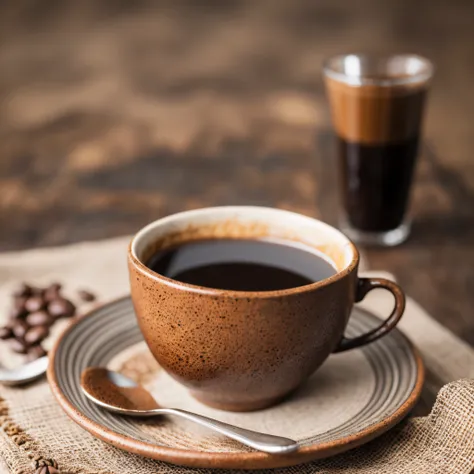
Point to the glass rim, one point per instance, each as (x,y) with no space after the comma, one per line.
(360,80)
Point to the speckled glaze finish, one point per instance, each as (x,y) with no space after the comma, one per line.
(245,351)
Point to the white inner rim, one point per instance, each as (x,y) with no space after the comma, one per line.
(279,223)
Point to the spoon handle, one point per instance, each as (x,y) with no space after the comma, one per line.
(261,441)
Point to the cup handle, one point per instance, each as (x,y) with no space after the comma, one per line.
(364,285)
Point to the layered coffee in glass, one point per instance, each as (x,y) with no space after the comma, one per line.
(377,105)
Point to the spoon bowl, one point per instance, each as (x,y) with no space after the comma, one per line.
(116,392)
(119,394)
(25,373)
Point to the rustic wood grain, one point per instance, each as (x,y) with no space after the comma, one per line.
(115,113)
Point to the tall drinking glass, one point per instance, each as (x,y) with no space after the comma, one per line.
(377,107)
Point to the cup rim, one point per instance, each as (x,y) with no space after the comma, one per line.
(175,284)
(359,80)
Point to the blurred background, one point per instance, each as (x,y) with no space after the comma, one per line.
(115,113)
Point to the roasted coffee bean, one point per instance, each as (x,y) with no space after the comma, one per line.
(39,318)
(36,291)
(86,295)
(18,309)
(35,352)
(39,461)
(17,312)
(61,308)
(23,290)
(20,301)
(55,287)
(34,303)
(52,292)
(36,334)
(47,470)
(18,345)
(19,328)
(6,332)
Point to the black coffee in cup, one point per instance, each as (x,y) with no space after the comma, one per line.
(242,264)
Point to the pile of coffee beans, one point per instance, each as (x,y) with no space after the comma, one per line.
(34,310)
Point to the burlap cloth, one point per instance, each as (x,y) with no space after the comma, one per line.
(35,427)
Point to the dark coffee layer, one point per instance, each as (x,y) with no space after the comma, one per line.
(376,183)
(241,265)
(375,115)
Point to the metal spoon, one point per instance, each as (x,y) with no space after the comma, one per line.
(117,393)
(25,373)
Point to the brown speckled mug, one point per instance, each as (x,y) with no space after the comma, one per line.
(240,350)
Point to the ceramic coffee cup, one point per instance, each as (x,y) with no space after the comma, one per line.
(238,350)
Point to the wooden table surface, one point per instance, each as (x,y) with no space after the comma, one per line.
(116,113)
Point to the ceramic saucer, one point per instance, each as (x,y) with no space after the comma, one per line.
(354,397)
